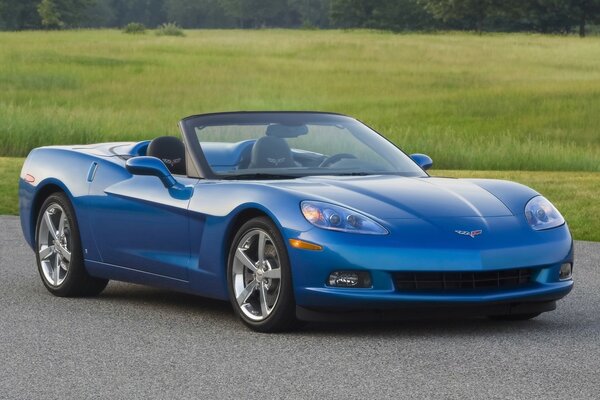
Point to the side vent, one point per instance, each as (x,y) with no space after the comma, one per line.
(92,171)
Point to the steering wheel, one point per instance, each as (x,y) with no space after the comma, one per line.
(335,158)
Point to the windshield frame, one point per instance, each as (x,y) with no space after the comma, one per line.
(197,164)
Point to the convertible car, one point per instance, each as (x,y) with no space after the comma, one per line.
(291,216)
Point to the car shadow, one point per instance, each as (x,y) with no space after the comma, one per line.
(191,305)
(438,327)
(177,302)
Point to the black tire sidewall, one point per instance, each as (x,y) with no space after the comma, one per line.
(283,317)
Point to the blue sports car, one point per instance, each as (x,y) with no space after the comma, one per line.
(291,216)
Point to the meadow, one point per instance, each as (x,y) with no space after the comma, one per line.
(491,102)
(522,107)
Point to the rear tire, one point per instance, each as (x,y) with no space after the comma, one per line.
(513,317)
(59,253)
(259,278)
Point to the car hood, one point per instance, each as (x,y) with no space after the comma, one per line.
(389,197)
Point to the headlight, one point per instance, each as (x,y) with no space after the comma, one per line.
(336,218)
(541,214)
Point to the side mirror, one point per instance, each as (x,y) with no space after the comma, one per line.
(423,160)
(145,165)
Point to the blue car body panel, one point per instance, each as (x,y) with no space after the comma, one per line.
(134,229)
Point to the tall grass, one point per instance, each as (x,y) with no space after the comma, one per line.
(491,102)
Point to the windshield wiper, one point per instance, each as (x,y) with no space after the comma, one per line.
(260,175)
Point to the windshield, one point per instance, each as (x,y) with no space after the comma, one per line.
(289,145)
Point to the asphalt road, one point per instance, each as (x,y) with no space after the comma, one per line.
(138,342)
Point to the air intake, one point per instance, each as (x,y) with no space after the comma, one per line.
(412,281)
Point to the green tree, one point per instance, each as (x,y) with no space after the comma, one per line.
(400,15)
(99,14)
(19,14)
(257,13)
(472,12)
(147,12)
(351,13)
(396,15)
(73,11)
(49,15)
(198,14)
(584,11)
(553,15)
(309,13)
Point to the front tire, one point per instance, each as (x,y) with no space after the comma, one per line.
(58,251)
(259,278)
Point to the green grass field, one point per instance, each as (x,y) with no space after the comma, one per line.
(574,193)
(500,102)
(523,104)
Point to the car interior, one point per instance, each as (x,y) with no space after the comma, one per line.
(269,151)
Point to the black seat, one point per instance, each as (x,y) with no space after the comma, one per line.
(271,152)
(169,150)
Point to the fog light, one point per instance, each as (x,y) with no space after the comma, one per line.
(566,271)
(355,279)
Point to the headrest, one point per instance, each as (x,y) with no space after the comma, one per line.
(271,152)
(169,150)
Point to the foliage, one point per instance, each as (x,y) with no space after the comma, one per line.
(472,12)
(546,16)
(134,28)
(398,15)
(19,14)
(49,15)
(309,13)
(169,29)
(586,11)
(257,13)
(198,14)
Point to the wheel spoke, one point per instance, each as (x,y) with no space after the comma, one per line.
(240,255)
(56,269)
(46,252)
(50,225)
(248,290)
(273,273)
(262,239)
(263,301)
(66,254)
(61,224)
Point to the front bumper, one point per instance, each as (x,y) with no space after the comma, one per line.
(342,298)
(541,252)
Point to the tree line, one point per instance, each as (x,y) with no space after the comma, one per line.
(546,16)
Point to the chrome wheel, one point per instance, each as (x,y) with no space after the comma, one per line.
(54,244)
(256,274)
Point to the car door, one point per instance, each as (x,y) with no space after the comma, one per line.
(139,224)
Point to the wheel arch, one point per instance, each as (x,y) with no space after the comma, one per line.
(44,190)
(240,218)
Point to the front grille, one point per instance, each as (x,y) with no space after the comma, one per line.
(462,280)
